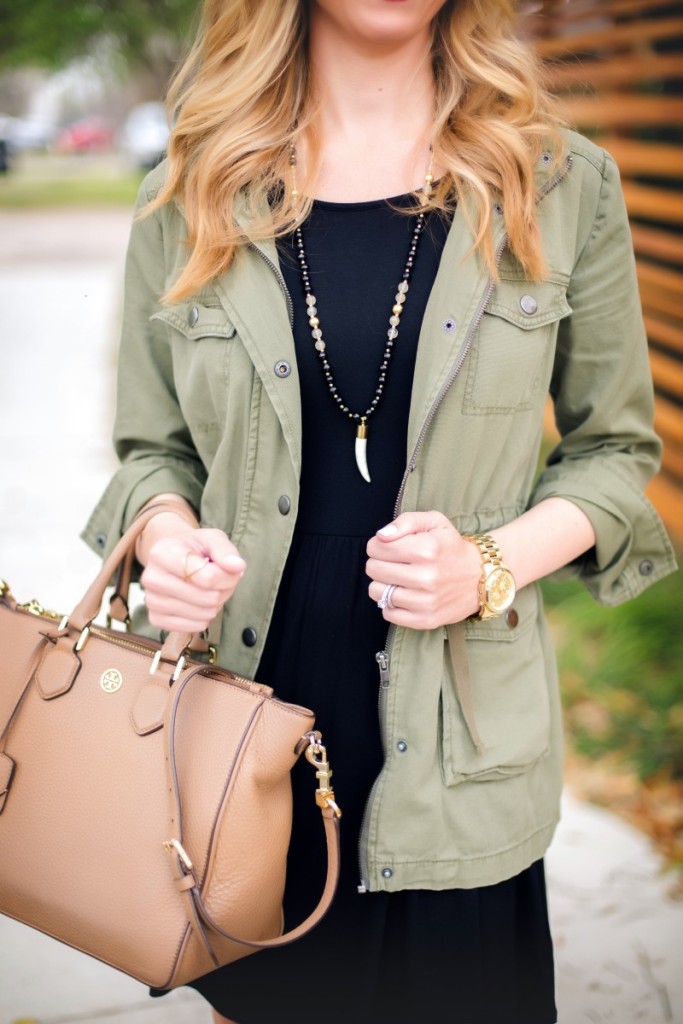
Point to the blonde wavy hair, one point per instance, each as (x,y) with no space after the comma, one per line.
(244,94)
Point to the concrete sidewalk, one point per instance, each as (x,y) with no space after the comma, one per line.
(618,935)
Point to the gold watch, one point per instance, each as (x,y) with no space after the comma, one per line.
(496,589)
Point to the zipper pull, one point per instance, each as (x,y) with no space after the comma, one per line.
(383,662)
(362,888)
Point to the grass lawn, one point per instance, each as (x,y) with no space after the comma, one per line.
(621,674)
(44,180)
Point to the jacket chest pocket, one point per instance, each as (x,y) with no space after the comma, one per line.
(510,361)
(201,342)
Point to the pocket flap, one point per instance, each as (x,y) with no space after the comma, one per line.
(519,618)
(529,304)
(194,320)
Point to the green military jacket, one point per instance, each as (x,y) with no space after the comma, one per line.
(209,407)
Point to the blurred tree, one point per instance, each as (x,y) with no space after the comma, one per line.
(145,33)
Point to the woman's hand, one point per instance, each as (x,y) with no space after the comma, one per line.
(189,573)
(434,570)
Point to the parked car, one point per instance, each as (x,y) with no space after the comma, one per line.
(5,143)
(31,133)
(145,135)
(90,135)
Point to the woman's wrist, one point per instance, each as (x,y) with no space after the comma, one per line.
(166,523)
(543,539)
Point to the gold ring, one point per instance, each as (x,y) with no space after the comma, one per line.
(190,572)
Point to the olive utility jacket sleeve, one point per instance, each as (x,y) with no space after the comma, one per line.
(208,407)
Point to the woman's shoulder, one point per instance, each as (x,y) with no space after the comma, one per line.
(587,152)
(592,174)
(153,182)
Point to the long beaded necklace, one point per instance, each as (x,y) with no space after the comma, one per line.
(360,419)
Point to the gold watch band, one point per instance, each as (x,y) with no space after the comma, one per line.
(491,563)
(488,549)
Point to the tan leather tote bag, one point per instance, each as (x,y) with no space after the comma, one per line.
(145,796)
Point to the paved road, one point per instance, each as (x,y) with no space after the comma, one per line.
(617,934)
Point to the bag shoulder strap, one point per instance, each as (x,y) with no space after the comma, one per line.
(186,879)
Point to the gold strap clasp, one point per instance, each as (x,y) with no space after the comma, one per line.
(316,754)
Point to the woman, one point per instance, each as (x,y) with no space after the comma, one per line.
(271,378)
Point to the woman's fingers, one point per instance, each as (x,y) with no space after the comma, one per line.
(189,577)
(416,576)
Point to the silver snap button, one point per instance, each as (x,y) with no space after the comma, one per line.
(646,567)
(402,746)
(546,158)
(498,208)
(193,317)
(101,540)
(282,368)
(449,326)
(528,304)
(284,504)
(387,873)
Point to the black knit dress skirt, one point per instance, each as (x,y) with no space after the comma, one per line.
(477,956)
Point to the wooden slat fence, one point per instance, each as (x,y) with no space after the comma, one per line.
(617,66)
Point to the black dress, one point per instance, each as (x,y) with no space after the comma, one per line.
(480,956)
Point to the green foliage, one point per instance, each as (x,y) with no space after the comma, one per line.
(621,674)
(49,34)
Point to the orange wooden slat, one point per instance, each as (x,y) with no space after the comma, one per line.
(663,332)
(577,11)
(656,159)
(611,37)
(668,420)
(662,279)
(655,242)
(624,111)
(667,373)
(672,461)
(653,203)
(660,303)
(607,71)
(667,498)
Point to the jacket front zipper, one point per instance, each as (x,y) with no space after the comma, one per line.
(280,280)
(384,657)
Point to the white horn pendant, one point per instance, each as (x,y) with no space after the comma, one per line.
(362,450)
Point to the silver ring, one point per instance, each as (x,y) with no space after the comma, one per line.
(385,600)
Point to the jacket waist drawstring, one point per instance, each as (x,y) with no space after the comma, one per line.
(457,646)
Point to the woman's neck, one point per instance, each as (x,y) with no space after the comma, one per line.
(376,114)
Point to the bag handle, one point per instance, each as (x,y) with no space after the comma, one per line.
(330,812)
(91,602)
(119,601)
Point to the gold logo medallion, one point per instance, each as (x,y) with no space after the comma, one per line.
(111,680)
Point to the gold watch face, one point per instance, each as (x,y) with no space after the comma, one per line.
(500,590)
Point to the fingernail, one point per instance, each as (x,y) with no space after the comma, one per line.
(234,562)
(388,531)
